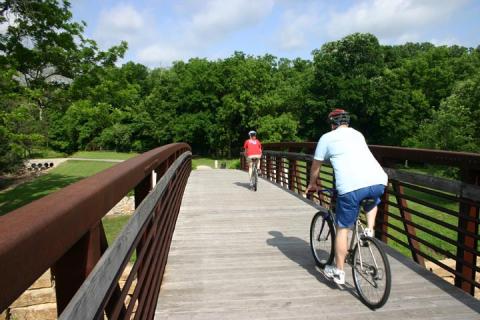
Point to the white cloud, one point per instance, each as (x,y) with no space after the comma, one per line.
(449,41)
(394,19)
(296,28)
(202,27)
(163,54)
(122,22)
(218,18)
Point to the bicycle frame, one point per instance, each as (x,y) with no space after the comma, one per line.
(356,231)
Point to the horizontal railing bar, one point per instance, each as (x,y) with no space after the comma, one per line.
(289,155)
(434,247)
(439,157)
(405,245)
(89,298)
(433,233)
(435,220)
(452,186)
(433,206)
(425,203)
(440,194)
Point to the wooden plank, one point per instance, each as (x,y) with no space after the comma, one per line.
(238,254)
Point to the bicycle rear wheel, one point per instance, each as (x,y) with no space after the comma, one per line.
(322,239)
(254,179)
(371,273)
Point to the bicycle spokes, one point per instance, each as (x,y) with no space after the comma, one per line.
(371,273)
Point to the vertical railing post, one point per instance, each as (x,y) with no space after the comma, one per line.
(269,166)
(142,189)
(279,169)
(471,226)
(381,220)
(407,217)
(308,168)
(292,167)
(141,192)
(71,270)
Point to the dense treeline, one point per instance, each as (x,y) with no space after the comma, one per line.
(58,90)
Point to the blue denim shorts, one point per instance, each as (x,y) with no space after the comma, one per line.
(348,204)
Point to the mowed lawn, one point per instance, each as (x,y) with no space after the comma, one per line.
(59,177)
(103,155)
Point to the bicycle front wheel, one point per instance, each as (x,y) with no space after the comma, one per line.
(371,273)
(322,239)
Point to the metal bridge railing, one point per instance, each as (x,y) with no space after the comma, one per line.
(64,232)
(435,219)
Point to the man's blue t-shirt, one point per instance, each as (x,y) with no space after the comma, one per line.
(354,165)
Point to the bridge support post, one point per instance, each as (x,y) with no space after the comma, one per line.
(292,167)
(381,220)
(467,222)
(279,170)
(268,158)
(407,217)
(71,270)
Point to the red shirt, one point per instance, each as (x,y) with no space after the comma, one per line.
(252,147)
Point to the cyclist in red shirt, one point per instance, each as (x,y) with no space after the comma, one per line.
(253,149)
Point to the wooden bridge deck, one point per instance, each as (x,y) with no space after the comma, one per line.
(238,254)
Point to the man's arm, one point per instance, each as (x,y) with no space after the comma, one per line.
(314,171)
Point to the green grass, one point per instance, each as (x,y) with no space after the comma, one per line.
(60,177)
(103,155)
(113,225)
(230,163)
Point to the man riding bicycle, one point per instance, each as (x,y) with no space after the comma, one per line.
(253,149)
(358,176)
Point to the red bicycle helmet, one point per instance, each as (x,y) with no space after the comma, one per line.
(339,117)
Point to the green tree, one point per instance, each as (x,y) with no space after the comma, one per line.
(275,129)
(450,128)
(345,72)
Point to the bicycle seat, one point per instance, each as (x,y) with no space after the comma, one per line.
(367,201)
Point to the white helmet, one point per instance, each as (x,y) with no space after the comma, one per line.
(252,133)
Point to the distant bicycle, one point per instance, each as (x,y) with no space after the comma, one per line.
(254,177)
(370,266)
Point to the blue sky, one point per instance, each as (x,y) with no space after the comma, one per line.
(162,31)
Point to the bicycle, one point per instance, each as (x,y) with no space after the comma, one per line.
(254,177)
(370,266)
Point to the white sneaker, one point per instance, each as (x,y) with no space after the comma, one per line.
(334,273)
(368,232)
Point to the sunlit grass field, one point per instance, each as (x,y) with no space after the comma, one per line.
(59,177)
(103,155)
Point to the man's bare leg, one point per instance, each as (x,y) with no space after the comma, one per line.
(341,243)
(371,218)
